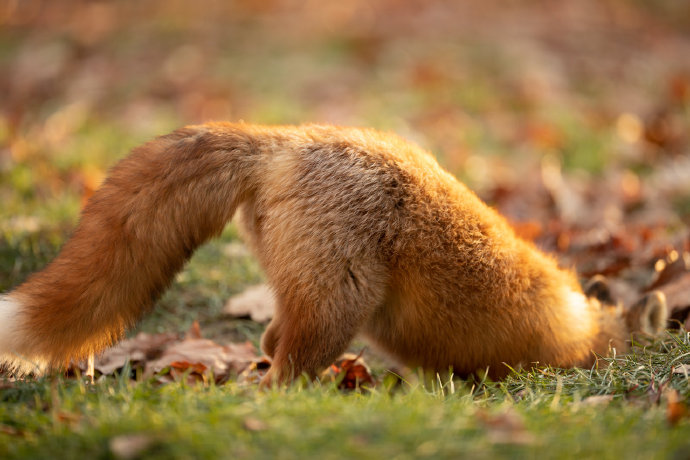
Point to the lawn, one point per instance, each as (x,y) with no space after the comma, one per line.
(624,411)
(572,121)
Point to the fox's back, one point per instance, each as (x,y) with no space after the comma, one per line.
(451,263)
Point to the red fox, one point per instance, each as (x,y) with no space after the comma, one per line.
(358,231)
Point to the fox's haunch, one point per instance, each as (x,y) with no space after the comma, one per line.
(136,232)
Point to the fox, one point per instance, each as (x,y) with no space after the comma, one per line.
(357,231)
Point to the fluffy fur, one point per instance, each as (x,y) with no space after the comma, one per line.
(357,231)
(8,324)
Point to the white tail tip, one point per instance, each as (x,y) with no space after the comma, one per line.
(12,355)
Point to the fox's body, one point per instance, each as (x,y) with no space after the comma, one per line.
(357,231)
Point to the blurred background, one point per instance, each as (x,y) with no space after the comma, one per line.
(571,117)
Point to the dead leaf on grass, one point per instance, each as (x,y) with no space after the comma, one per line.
(194,331)
(220,360)
(255,371)
(136,350)
(677,294)
(194,357)
(597,400)
(676,409)
(130,445)
(253,424)
(683,369)
(507,427)
(10,430)
(350,371)
(256,302)
(527,230)
(68,417)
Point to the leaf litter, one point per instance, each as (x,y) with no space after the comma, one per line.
(194,359)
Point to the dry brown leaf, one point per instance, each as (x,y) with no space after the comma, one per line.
(543,135)
(187,366)
(676,409)
(194,331)
(598,400)
(255,371)
(507,427)
(528,230)
(677,294)
(350,371)
(91,178)
(218,359)
(136,350)
(665,129)
(130,445)
(10,430)
(193,358)
(67,417)
(683,369)
(253,424)
(256,302)
(673,267)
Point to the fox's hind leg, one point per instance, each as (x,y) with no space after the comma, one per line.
(326,287)
(318,315)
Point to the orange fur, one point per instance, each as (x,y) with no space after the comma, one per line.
(357,231)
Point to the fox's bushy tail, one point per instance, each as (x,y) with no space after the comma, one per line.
(136,232)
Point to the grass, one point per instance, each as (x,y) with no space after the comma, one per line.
(535,414)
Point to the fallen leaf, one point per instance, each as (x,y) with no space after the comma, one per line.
(253,424)
(507,427)
(130,445)
(597,400)
(676,409)
(10,430)
(192,372)
(255,371)
(68,417)
(677,294)
(194,331)
(683,369)
(671,268)
(217,359)
(350,371)
(679,88)
(529,230)
(92,178)
(256,302)
(664,129)
(543,135)
(137,351)
(187,366)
